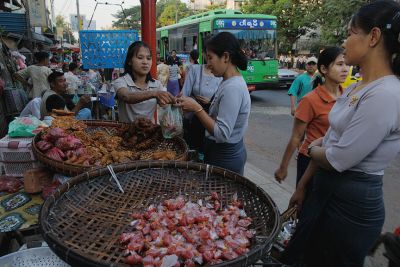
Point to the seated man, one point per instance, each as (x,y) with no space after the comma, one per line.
(58,86)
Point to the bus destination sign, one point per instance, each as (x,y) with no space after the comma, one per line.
(244,24)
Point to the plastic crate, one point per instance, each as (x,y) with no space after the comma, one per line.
(16,155)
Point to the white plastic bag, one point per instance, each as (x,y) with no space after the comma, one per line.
(170,119)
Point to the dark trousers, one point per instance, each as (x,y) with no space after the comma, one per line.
(302,164)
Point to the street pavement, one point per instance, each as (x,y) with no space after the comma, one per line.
(269,130)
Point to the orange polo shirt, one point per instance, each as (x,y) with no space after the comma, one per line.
(314,109)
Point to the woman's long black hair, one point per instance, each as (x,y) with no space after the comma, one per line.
(194,56)
(384,14)
(132,52)
(227,42)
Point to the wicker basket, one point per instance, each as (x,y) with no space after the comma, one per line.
(84,219)
(177,144)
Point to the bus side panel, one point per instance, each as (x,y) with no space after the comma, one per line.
(204,32)
(261,74)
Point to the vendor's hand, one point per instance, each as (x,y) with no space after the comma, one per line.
(297,198)
(317,142)
(280,174)
(85,99)
(188,104)
(164,98)
(202,99)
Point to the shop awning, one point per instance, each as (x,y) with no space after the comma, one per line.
(41,38)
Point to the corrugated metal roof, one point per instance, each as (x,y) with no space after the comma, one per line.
(13,22)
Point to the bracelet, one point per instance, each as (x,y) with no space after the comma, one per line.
(198,111)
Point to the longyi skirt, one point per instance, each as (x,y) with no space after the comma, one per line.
(226,155)
(340,220)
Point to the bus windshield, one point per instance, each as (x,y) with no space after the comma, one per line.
(257,44)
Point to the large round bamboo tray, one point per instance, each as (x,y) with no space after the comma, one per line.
(83,220)
(176,144)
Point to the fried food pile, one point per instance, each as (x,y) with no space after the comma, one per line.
(106,148)
(71,141)
(141,134)
(68,123)
(183,233)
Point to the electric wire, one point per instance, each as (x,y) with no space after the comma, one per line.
(66,3)
(111,4)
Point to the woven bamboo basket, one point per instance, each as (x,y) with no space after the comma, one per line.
(176,144)
(83,220)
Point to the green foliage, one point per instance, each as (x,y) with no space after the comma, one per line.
(132,20)
(60,21)
(212,7)
(333,16)
(294,18)
(172,11)
(298,17)
(67,32)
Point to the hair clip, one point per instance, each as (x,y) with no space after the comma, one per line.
(396,16)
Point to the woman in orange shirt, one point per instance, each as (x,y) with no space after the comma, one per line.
(311,117)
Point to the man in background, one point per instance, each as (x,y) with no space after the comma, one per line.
(37,73)
(58,85)
(302,84)
(73,81)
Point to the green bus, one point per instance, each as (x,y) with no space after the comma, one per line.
(255,32)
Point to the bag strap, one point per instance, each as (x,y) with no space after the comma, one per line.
(201,78)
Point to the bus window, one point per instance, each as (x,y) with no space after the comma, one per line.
(195,42)
(257,44)
(184,45)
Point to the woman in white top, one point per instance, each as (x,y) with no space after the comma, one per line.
(137,92)
(344,214)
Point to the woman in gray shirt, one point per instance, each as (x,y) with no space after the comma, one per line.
(228,117)
(344,214)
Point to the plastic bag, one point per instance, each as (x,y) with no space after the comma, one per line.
(75,99)
(170,119)
(24,126)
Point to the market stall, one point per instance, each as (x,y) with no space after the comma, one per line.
(123,170)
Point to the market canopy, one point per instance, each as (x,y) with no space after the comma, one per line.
(66,46)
